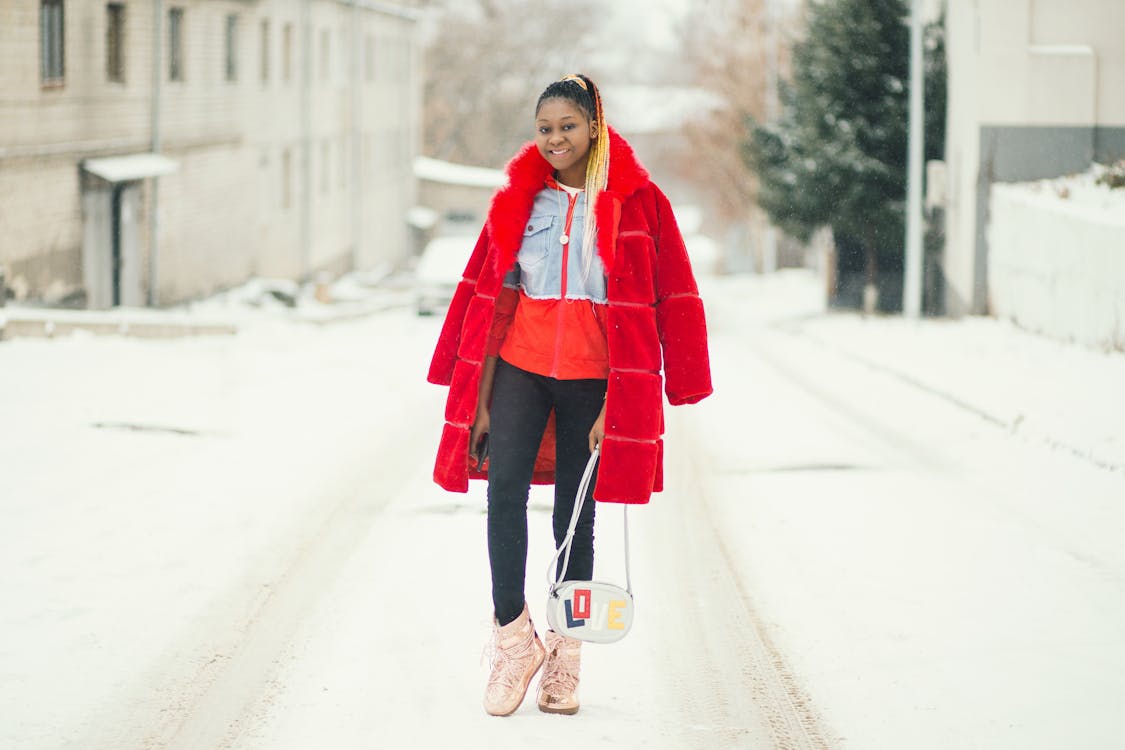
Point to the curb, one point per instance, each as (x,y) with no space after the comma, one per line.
(49,324)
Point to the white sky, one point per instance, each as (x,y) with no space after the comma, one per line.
(656,20)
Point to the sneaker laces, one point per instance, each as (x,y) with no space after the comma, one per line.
(508,664)
(561,676)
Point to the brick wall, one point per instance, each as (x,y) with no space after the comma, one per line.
(229,212)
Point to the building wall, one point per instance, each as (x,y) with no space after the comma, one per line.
(1058,265)
(300,165)
(1033,93)
(40,225)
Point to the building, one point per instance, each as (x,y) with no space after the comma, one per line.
(1034,92)
(457,195)
(152,151)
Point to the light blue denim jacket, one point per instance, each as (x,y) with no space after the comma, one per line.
(538,269)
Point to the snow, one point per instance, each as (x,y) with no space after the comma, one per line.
(1056,260)
(131,167)
(1078,194)
(1066,50)
(877,533)
(449,173)
(941,572)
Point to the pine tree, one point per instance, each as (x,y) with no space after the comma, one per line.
(838,154)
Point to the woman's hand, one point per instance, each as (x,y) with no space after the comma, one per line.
(480,426)
(597,432)
(482,423)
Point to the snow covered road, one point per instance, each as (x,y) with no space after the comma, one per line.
(234,543)
(935,578)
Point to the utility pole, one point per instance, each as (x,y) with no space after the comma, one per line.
(912,271)
(773,111)
(154,206)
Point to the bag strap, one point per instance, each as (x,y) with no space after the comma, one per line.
(554,576)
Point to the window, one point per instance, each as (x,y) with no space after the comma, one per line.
(324,41)
(176,44)
(287,52)
(370,58)
(342,171)
(51,58)
(286,179)
(115,42)
(232,48)
(265,51)
(346,61)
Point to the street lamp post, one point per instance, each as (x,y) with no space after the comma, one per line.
(912,273)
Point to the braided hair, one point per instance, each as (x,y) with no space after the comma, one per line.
(582,92)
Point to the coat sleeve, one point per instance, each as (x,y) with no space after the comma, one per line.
(679,314)
(506,305)
(449,340)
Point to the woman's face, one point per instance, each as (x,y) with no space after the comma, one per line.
(563,135)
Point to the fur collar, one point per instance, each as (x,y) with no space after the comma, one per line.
(527,174)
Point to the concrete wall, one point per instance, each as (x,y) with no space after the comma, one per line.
(1033,92)
(1058,266)
(344,120)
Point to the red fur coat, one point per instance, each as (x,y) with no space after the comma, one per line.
(655,320)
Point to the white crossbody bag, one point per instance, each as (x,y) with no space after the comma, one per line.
(591,611)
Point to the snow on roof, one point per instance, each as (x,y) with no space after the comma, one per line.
(436,170)
(636,109)
(131,167)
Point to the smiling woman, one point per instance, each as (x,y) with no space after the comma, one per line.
(577,293)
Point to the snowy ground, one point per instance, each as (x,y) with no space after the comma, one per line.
(877,534)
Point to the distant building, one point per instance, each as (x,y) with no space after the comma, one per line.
(1035,91)
(284,133)
(456,195)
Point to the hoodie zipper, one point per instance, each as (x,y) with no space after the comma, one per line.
(572,200)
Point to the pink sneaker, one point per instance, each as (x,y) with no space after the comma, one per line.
(517,654)
(558,687)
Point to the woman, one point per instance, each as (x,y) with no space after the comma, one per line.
(553,345)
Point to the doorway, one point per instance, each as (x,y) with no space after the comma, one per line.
(111,253)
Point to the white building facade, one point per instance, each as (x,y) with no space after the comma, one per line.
(1035,91)
(285,131)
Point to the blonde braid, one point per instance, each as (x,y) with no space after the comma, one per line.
(597,172)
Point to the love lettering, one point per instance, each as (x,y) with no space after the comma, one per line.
(582,611)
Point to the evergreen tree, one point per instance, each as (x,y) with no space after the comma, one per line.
(838,154)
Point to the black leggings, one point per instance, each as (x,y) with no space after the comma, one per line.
(521,403)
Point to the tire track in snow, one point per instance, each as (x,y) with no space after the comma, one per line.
(213,709)
(797,332)
(749,675)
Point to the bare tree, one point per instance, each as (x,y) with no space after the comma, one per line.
(726,48)
(736,51)
(486,62)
